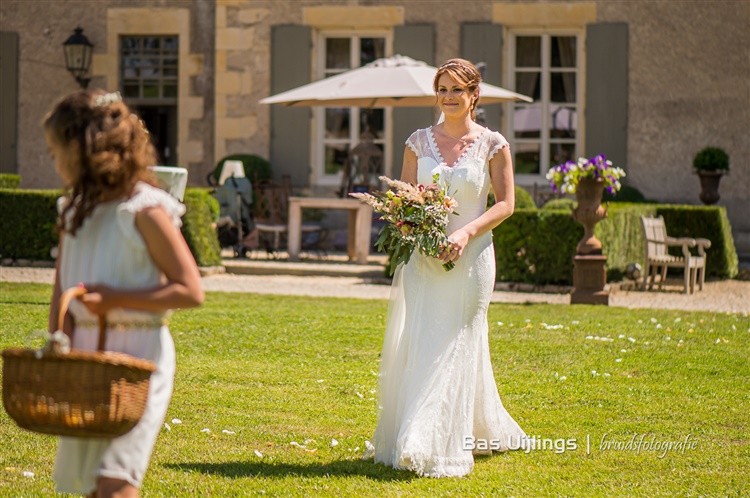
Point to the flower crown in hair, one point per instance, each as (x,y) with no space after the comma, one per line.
(448,65)
(107,99)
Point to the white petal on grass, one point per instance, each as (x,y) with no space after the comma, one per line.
(206,430)
(623,350)
(654,320)
(606,374)
(589,337)
(621,336)
(28,473)
(176,421)
(258,454)
(320,380)
(618,360)
(334,443)
(631,340)
(575,322)
(718,341)
(562,377)
(369,446)
(500,323)
(677,320)
(226,431)
(167,427)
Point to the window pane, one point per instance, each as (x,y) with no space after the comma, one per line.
(371,49)
(335,157)
(559,153)
(528,51)
(151,45)
(170,90)
(526,159)
(529,84)
(563,87)
(337,53)
(527,121)
(169,44)
(337,122)
(151,89)
(562,122)
(372,120)
(563,51)
(130,90)
(150,68)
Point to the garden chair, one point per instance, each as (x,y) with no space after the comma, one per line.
(271,212)
(658,259)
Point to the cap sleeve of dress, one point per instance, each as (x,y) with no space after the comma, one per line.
(497,142)
(146,196)
(414,142)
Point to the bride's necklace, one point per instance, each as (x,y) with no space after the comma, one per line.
(462,140)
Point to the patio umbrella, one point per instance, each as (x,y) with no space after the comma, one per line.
(397,81)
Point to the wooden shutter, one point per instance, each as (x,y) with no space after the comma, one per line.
(418,42)
(290,126)
(607,91)
(483,42)
(8,102)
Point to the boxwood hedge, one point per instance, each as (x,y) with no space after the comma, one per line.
(28,224)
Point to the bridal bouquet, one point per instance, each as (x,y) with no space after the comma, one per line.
(417,217)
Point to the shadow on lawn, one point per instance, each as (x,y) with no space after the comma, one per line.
(282,470)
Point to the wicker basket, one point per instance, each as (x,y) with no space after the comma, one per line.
(80,393)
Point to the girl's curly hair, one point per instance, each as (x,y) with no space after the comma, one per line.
(114,151)
(465,73)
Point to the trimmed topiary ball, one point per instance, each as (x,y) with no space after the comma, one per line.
(711,159)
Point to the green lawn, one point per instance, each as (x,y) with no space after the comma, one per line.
(287,375)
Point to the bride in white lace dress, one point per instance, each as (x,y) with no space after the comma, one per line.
(438,401)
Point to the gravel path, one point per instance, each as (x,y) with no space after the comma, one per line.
(720,296)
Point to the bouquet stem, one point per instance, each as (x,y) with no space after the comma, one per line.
(449,265)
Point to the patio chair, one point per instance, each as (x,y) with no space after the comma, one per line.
(271,211)
(658,259)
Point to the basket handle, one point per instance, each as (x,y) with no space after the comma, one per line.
(65,298)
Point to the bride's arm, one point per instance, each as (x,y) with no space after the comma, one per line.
(409,167)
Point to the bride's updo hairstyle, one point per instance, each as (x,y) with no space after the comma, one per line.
(466,74)
(114,151)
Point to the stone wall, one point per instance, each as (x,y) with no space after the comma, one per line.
(43,79)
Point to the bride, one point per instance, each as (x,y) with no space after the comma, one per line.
(438,402)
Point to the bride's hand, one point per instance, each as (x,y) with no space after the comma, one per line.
(456,244)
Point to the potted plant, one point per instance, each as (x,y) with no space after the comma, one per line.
(710,164)
(587,179)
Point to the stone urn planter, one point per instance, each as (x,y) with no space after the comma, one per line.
(588,213)
(709,186)
(710,164)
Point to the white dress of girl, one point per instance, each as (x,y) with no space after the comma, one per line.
(437,394)
(108,249)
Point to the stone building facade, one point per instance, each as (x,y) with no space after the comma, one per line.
(647,83)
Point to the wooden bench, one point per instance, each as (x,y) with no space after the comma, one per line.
(658,259)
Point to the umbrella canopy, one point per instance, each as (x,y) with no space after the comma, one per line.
(396,81)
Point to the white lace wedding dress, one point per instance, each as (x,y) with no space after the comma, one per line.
(436,389)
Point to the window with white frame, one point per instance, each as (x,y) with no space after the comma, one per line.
(340,129)
(546,67)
